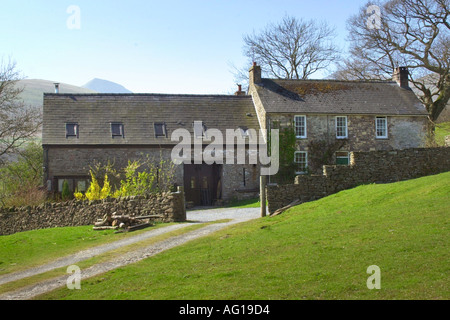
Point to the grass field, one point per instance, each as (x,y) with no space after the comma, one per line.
(317,250)
(442,130)
(28,249)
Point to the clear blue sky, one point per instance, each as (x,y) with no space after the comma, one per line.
(148,46)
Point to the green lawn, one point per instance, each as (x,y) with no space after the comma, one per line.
(442,130)
(318,250)
(248,203)
(28,249)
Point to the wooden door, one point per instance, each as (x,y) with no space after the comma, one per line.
(201,183)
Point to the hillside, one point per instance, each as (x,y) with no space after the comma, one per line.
(105,86)
(442,130)
(34,90)
(317,250)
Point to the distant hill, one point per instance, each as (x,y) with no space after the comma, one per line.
(34,90)
(105,86)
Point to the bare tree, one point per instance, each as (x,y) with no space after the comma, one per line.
(410,33)
(291,49)
(18,122)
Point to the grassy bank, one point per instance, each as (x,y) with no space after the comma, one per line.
(28,249)
(318,250)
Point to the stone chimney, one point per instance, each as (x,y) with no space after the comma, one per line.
(255,74)
(240,92)
(400,76)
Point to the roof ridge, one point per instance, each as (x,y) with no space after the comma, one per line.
(333,80)
(148,94)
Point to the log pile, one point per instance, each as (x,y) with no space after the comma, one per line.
(124,222)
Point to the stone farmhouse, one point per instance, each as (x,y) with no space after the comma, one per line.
(346,115)
(80,129)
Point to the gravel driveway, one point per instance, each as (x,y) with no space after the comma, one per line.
(193,217)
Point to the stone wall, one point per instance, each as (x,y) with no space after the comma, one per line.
(79,213)
(364,168)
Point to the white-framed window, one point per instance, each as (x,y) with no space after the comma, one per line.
(341,127)
(300,127)
(301,161)
(381,129)
(342,158)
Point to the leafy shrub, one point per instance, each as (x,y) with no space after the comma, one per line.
(147,176)
(78,195)
(65,194)
(21,178)
(137,178)
(95,192)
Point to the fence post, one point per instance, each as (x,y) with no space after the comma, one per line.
(262,194)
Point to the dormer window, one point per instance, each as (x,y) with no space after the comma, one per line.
(160,129)
(72,130)
(244,132)
(117,130)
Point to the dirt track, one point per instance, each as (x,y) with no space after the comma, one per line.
(195,216)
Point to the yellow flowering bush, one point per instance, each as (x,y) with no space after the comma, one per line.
(94,192)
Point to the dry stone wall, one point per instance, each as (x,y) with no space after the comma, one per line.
(364,168)
(79,213)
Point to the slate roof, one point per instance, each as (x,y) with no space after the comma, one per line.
(94,114)
(338,97)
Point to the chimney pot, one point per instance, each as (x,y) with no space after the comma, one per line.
(56,87)
(239,92)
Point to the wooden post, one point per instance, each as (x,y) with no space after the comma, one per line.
(262,194)
(180,189)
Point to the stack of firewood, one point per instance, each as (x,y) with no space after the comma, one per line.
(123,222)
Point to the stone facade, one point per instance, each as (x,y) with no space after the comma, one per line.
(403,132)
(79,213)
(364,168)
(238,181)
(401,117)
(66,162)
